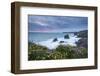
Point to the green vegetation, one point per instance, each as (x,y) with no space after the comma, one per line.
(38,52)
(34,47)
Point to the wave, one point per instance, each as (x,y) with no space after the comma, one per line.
(60,41)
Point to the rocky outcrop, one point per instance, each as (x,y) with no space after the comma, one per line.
(55,39)
(82,34)
(61,42)
(66,36)
(83,42)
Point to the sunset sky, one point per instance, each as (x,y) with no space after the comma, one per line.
(41,23)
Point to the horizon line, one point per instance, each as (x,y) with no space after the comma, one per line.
(55,31)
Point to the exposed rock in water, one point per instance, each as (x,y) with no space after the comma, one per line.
(55,39)
(66,36)
(61,42)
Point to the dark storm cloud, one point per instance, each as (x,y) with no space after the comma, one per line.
(57,23)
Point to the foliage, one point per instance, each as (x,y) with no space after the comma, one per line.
(38,52)
(35,47)
(80,52)
(66,51)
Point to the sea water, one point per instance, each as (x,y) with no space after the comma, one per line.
(46,39)
(44,36)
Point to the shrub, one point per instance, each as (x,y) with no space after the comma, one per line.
(55,55)
(37,55)
(84,53)
(38,52)
(66,51)
(80,52)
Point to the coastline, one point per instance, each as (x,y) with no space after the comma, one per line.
(52,45)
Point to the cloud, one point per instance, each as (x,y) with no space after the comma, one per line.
(56,23)
(41,23)
(37,20)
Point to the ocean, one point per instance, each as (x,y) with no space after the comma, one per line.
(43,36)
(46,39)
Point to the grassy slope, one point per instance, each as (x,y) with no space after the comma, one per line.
(61,52)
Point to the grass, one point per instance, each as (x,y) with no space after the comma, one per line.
(38,52)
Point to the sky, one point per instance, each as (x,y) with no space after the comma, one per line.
(40,23)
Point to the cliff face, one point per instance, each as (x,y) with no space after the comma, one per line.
(83,42)
(82,34)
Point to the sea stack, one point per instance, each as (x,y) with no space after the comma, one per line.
(55,39)
(66,36)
